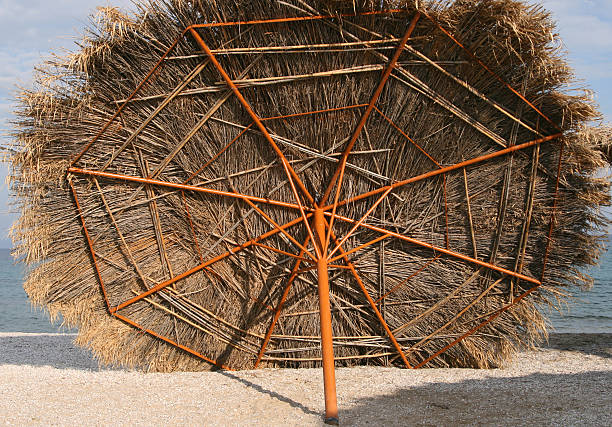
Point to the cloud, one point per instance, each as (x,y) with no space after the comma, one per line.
(15,71)
(31,29)
(40,24)
(16,67)
(584,25)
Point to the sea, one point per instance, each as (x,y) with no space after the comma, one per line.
(589,312)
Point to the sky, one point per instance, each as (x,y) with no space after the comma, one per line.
(31,29)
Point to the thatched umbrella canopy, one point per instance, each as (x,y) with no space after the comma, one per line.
(143,182)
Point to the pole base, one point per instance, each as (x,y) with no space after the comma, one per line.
(333,421)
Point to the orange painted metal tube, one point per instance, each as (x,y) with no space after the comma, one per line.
(339,172)
(178,186)
(279,307)
(90,244)
(327,347)
(169,341)
(289,170)
(308,228)
(370,108)
(123,318)
(292,176)
(397,128)
(212,25)
(120,109)
(358,248)
(476,328)
(329,266)
(403,282)
(276,226)
(497,77)
(296,19)
(216,156)
(197,268)
(359,222)
(377,312)
(280,251)
(448,169)
(442,250)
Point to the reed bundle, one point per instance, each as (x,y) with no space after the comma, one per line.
(532,212)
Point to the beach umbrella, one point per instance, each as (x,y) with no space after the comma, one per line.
(308,183)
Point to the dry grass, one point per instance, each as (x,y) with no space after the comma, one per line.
(437,95)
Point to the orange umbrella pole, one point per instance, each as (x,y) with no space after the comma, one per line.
(327,347)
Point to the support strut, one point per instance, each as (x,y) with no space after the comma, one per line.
(327,348)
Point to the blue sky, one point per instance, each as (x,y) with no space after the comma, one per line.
(31,29)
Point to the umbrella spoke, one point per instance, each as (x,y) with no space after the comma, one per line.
(281,252)
(365,292)
(497,77)
(393,231)
(397,128)
(359,222)
(204,265)
(157,182)
(194,73)
(492,317)
(442,250)
(447,169)
(288,169)
(278,227)
(120,109)
(90,245)
(219,153)
(169,341)
(339,173)
(279,307)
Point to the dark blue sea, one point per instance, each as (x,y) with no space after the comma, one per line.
(591,312)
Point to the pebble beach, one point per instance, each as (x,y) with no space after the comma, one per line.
(46,380)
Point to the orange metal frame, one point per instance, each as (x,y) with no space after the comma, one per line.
(312,213)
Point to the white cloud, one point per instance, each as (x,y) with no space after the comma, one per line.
(41,24)
(16,67)
(584,25)
(600,68)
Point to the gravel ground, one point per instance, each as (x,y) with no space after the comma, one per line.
(45,380)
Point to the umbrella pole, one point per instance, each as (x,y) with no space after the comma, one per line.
(327,348)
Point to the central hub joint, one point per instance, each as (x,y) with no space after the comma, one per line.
(319,231)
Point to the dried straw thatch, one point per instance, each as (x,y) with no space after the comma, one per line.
(499,211)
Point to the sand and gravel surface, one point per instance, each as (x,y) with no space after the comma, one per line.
(45,380)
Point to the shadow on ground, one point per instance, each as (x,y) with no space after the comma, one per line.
(594,344)
(272,394)
(539,399)
(56,350)
(536,399)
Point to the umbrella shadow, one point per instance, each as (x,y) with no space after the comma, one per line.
(592,344)
(59,351)
(55,350)
(270,393)
(536,399)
